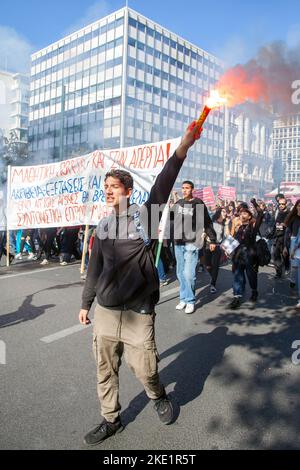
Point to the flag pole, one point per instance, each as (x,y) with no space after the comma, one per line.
(84,249)
(7,247)
(7,229)
(161,230)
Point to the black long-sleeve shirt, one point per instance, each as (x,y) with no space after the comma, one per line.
(291,231)
(246,236)
(121,271)
(190,223)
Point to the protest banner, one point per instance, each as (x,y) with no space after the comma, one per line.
(206,194)
(227,193)
(71,192)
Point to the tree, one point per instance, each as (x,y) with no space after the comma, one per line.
(11,151)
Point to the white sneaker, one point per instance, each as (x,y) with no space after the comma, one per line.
(44,262)
(190,308)
(19,256)
(31,256)
(181,305)
(63,263)
(298,304)
(213,290)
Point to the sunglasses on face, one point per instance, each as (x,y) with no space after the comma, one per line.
(283,205)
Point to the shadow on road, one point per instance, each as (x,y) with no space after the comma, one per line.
(197,356)
(266,406)
(27,311)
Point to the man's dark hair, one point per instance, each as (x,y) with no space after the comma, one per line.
(122,175)
(189,182)
(279,196)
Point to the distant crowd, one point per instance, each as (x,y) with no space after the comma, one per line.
(278,223)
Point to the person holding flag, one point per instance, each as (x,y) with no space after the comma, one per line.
(190,228)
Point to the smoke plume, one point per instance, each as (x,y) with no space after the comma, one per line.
(14,51)
(268,78)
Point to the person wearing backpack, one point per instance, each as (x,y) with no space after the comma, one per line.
(245,259)
(281,258)
(123,278)
(212,258)
(291,245)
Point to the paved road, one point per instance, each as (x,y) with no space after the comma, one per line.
(230,374)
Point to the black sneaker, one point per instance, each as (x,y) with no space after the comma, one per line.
(235,303)
(292,284)
(254,296)
(164,409)
(102,432)
(253,299)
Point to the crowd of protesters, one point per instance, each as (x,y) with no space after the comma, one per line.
(278,223)
(43,245)
(121,272)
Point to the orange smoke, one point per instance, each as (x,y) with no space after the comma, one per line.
(239,86)
(267,78)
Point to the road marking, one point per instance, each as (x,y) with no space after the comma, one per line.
(76,328)
(42,270)
(63,333)
(176,289)
(169,292)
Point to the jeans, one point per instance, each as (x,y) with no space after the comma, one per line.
(239,279)
(161,271)
(295,267)
(212,261)
(281,262)
(186,262)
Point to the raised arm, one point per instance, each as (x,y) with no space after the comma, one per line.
(164,182)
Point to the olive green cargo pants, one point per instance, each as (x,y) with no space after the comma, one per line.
(115,332)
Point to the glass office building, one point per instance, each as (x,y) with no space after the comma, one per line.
(124,80)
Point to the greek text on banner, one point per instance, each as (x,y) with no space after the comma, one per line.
(71,192)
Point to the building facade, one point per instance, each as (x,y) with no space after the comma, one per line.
(248,151)
(121,81)
(14,110)
(6,84)
(286,143)
(14,105)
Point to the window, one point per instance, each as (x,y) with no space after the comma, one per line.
(132,22)
(141,27)
(132,42)
(150,31)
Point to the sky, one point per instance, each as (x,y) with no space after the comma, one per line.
(233,30)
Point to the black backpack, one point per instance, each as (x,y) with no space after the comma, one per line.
(263,252)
